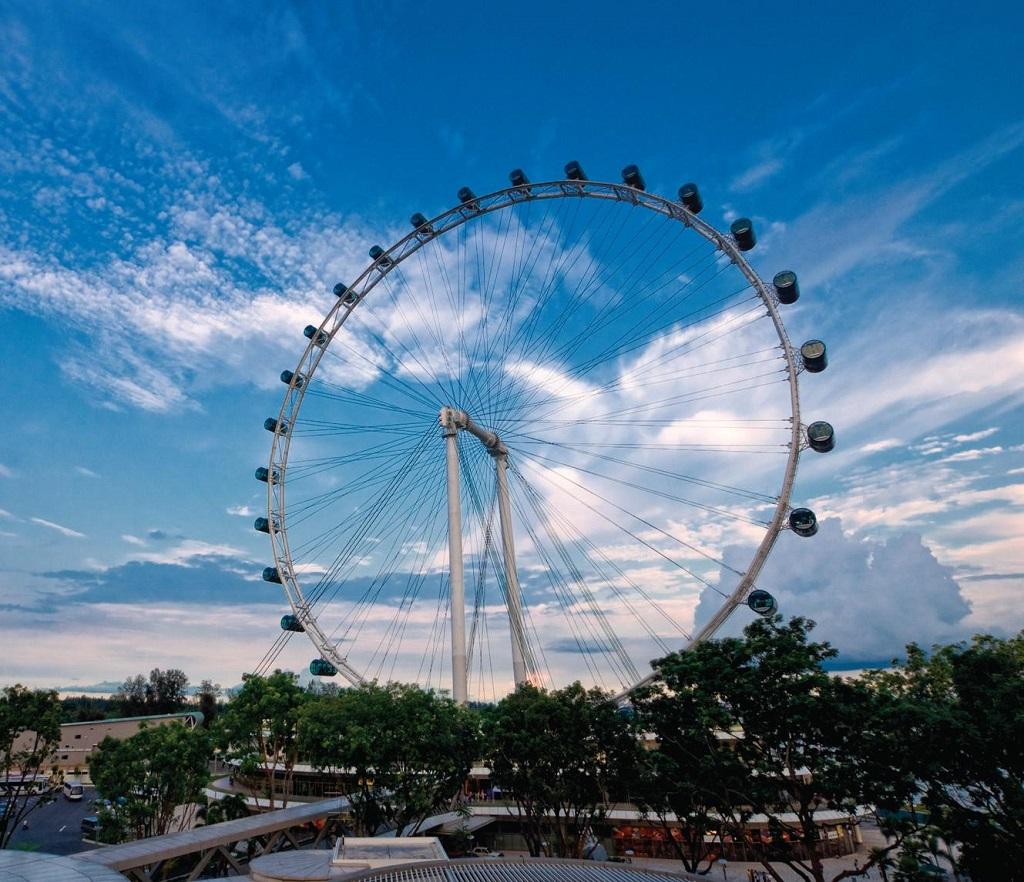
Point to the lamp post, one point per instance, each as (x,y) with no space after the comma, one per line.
(723,863)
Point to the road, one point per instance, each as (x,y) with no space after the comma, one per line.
(55,828)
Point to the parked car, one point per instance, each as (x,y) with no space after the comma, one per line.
(74,790)
(482,851)
(90,828)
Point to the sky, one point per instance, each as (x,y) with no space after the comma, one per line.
(181,186)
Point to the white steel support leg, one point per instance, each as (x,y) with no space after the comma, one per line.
(456,575)
(508,548)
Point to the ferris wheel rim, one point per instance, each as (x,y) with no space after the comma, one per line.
(389,259)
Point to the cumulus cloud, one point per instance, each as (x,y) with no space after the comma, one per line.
(869,597)
(242,511)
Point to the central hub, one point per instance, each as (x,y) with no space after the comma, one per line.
(452,419)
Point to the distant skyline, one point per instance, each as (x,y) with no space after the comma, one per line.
(180,187)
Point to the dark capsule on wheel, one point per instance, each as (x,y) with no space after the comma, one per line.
(762,602)
(378,255)
(287,377)
(320,668)
(317,336)
(574,171)
(279,427)
(261,525)
(291,623)
(786,287)
(631,177)
(689,195)
(742,230)
(518,178)
(821,436)
(263,474)
(803,522)
(814,356)
(418,221)
(270,574)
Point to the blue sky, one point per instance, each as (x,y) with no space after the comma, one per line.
(180,187)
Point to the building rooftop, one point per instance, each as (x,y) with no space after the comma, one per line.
(33,866)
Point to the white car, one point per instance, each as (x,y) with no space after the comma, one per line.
(74,790)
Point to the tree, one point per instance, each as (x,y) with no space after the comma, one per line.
(693,784)
(565,757)
(163,693)
(258,731)
(133,696)
(401,752)
(148,779)
(804,740)
(207,697)
(963,741)
(29,737)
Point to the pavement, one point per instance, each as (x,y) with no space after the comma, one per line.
(56,828)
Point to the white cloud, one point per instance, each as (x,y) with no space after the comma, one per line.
(878,446)
(869,597)
(64,531)
(297,171)
(242,511)
(186,552)
(5,472)
(132,540)
(974,436)
(86,473)
(756,174)
(972,454)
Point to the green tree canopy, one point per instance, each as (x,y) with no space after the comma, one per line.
(802,739)
(29,737)
(403,752)
(961,735)
(162,693)
(564,756)
(258,731)
(149,778)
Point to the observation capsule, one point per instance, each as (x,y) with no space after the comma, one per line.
(821,436)
(261,525)
(345,293)
(803,522)
(518,178)
(291,623)
(689,195)
(378,255)
(270,574)
(279,427)
(814,356)
(574,171)
(786,287)
(419,222)
(320,668)
(288,376)
(743,232)
(467,197)
(318,337)
(762,602)
(631,177)
(263,474)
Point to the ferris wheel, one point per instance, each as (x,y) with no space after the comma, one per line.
(530,435)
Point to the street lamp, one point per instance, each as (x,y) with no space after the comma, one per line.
(723,863)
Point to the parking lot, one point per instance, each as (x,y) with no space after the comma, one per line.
(55,828)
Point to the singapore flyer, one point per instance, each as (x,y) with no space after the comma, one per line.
(518,446)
